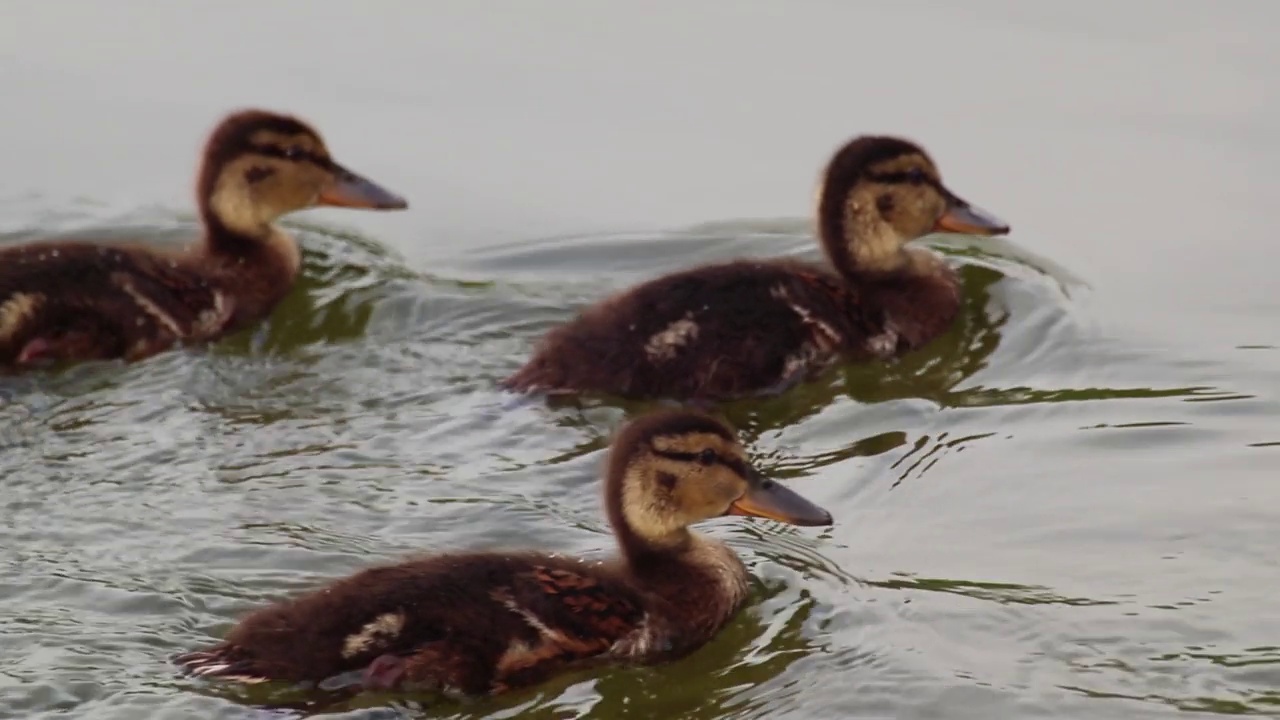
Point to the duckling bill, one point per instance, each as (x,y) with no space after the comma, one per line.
(748,327)
(484,623)
(69,301)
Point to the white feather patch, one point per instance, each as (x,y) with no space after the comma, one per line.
(663,344)
(16,310)
(148,306)
(379,630)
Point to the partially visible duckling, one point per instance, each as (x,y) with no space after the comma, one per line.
(64,300)
(485,622)
(749,326)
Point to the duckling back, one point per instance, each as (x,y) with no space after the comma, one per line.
(713,332)
(467,623)
(63,301)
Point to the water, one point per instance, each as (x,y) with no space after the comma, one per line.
(1065,508)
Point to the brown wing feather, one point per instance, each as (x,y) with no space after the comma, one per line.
(477,623)
(588,607)
(65,301)
(714,332)
(577,617)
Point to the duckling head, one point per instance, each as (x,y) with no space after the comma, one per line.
(671,469)
(880,193)
(260,165)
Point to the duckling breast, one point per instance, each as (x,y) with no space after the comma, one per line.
(913,310)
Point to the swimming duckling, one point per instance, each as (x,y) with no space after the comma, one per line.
(65,300)
(750,326)
(485,622)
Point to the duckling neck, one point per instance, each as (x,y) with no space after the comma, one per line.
(644,551)
(690,591)
(873,250)
(860,242)
(236,234)
(689,565)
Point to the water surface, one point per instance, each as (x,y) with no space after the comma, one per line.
(1064,508)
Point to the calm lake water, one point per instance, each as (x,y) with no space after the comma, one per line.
(1066,508)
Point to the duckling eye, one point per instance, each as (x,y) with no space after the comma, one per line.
(707,457)
(293,152)
(916,175)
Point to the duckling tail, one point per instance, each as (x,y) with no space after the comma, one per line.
(224,662)
(533,377)
(34,351)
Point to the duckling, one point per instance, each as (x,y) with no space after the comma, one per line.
(485,622)
(65,300)
(747,327)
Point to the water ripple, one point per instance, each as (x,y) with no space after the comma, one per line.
(1034,517)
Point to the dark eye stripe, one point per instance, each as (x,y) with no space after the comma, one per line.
(733,464)
(904,178)
(278,152)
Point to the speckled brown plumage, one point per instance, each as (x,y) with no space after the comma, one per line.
(66,300)
(745,327)
(478,623)
(80,302)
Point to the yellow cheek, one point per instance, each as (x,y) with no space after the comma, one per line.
(726,488)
